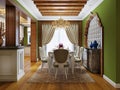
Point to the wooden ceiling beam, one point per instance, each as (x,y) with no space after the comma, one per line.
(60,5)
(60,14)
(59,8)
(52,4)
(61,1)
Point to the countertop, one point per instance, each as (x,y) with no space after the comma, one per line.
(11,48)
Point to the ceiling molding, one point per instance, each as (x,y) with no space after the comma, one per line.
(31,7)
(89,7)
(23,9)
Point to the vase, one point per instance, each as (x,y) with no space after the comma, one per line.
(95,44)
(91,45)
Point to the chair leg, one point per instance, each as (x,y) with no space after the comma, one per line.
(73,69)
(81,68)
(48,70)
(78,65)
(48,67)
(56,70)
(41,66)
(66,72)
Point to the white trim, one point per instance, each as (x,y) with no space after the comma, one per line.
(31,7)
(116,85)
(89,7)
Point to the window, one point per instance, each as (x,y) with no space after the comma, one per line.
(29,35)
(59,36)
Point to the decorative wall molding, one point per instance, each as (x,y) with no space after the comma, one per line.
(116,85)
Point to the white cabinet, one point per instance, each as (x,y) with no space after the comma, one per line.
(11,64)
(20,63)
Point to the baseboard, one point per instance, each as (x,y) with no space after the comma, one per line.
(116,85)
(20,75)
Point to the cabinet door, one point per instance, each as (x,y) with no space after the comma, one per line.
(94,60)
(90,61)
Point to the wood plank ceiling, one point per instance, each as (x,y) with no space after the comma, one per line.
(60,7)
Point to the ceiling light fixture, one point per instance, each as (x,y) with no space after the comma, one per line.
(60,23)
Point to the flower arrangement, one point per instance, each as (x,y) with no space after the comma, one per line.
(60,45)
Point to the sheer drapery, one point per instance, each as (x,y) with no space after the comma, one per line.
(47,33)
(72,33)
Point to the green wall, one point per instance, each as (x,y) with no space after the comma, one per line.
(118,41)
(107,13)
(25,36)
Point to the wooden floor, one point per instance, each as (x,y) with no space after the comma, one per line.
(30,68)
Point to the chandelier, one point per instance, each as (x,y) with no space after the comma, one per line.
(60,23)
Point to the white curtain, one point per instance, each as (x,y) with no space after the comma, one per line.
(47,33)
(72,33)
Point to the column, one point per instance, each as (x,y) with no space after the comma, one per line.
(12,26)
(33,41)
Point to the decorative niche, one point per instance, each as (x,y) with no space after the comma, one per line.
(94,31)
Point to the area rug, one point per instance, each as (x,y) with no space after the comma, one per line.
(43,76)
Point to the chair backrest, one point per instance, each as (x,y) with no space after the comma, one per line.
(42,52)
(84,57)
(81,52)
(77,51)
(61,55)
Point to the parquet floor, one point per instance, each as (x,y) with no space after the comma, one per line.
(31,67)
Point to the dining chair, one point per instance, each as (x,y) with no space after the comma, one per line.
(61,57)
(43,57)
(76,53)
(78,60)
